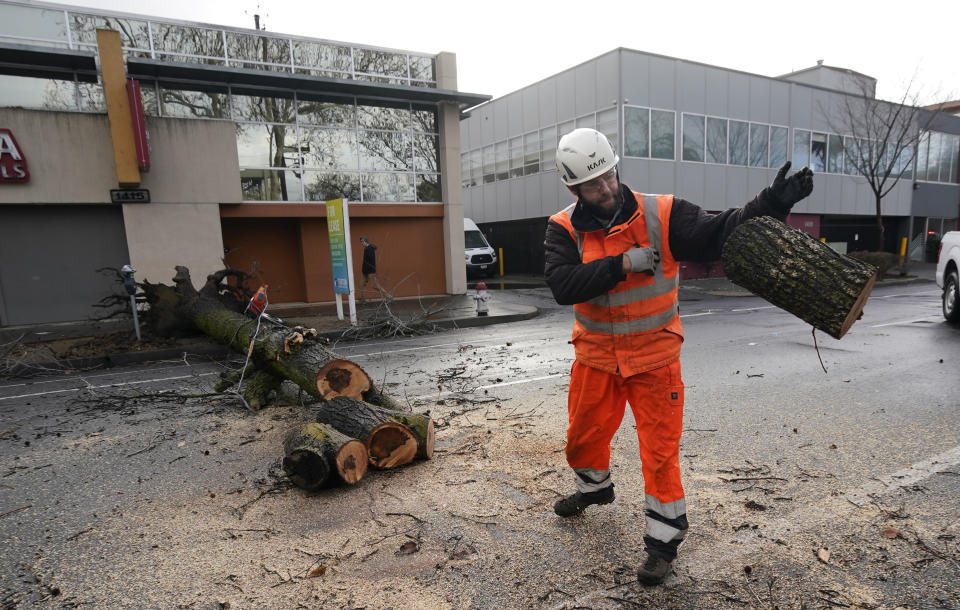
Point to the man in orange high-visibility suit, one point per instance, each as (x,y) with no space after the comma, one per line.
(613,255)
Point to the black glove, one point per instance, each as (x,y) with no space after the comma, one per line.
(785,192)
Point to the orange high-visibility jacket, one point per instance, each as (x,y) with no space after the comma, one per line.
(635,327)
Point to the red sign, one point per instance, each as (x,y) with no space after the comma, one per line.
(13,165)
(139,126)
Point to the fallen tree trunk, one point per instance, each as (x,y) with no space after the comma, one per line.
(797,273)
(314,451)
(389,442)
(286,353)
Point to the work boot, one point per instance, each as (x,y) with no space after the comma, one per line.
(574,505)
(654,570)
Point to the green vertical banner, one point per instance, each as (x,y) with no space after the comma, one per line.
(339,253)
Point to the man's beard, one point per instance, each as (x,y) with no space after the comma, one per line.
(607,213)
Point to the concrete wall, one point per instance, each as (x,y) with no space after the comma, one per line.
(448,117)
(194,168)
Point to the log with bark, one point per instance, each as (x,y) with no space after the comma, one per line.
(314,451)
(392,438)
(799,274)
(284,353)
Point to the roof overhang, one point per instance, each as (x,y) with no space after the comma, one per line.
(207,75)
(25,60)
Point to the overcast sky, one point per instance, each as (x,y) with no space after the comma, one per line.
(502,45)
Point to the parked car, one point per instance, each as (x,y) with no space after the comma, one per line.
(948,275)
(480,256)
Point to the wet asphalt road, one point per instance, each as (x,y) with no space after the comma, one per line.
(809,430)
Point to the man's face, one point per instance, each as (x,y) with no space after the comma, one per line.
(602,193)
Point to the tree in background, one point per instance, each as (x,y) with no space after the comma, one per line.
(881,138)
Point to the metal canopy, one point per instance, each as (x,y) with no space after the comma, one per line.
(217,74)
(26,60)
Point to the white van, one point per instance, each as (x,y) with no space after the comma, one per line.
(480,257)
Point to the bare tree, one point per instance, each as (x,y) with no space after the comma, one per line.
(881,138)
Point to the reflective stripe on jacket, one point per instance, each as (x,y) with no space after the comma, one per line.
(635,327)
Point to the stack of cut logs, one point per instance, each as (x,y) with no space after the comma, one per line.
(353,425)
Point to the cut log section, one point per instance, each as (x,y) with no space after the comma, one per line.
(799,274)
(422,428)
(314,451)
(342,378)
(389,443)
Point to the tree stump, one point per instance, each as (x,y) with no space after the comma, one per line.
(389,443)
(799,274)
(314,451)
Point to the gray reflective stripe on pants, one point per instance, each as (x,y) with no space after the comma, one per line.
(670,510)
(629,326)
(659,530)
(589,480)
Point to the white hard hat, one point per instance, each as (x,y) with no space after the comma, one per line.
(127,269)
(583,154)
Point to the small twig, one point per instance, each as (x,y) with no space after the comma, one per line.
(813,331)
(16,510)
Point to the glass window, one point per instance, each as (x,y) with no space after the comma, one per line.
(548,148)
(737,145)
(636,132)
(759,138)
(778,146)
(905,163)
(90,97)
(187,40)
(426,153)
(270,185)
(380,62)
(531,153)
(193,104)
(849,156)
(42,93)
(662,133)
(476,168)
(324,186)
(385,150)
(954,161)
(328,149)
(588,121)
(148,95)
(716,140)
(322,59)
(834,154)
(323,112)
(516,156)
(933,160)
(388,187)
(465,170)
(801,148)
(428,188)
(424,120)
(380,117)
(489,164)
(422,68)
(923,152)
(607,125)
(693,134)
(948,153)
(502,160)
(818,152)
(258,108)
(267,145)
(254,47)
(29,22)
(133,33)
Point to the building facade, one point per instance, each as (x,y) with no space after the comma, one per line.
(711,135)
(248,133)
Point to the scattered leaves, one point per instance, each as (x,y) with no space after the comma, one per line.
(408,548)
(318,571)
(891,532)
(824,555)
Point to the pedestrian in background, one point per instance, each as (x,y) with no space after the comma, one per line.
(369,268)
(613,254)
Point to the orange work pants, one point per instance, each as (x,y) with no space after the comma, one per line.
(595,405)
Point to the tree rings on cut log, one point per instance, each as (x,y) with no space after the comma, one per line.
(315,451)
(342,378)
(799,274)
(422,428)
(390,445)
